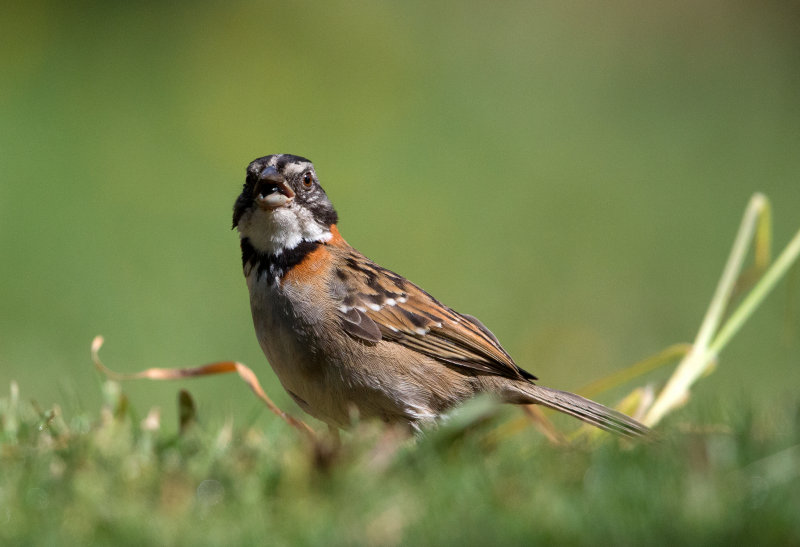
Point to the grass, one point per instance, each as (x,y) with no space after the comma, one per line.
(715,475)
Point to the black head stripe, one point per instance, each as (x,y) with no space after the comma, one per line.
(324,213)
(283,159)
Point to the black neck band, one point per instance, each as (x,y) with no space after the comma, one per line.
(274,266)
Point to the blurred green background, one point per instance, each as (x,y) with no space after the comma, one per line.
(572,174)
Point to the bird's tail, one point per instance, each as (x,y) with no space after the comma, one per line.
(583,409)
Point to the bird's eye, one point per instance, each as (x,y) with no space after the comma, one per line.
(308,179)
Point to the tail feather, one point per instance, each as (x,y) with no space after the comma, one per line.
(586,410)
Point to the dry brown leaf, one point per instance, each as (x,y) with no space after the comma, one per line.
(220,367)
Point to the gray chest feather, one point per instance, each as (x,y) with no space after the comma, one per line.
(291,333)
(287,323)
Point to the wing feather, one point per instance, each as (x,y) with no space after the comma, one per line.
(379,304)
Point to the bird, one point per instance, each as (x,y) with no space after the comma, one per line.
(347,337)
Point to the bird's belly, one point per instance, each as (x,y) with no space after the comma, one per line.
(292,339)
(337,379)
(293,360)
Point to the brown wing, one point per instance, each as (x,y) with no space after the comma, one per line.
(379,304)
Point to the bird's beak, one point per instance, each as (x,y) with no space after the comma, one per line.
(272,190)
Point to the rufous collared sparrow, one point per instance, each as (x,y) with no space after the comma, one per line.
(344,334)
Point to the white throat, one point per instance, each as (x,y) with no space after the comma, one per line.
(283,229)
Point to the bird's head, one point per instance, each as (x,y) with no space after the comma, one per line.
(282,204)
